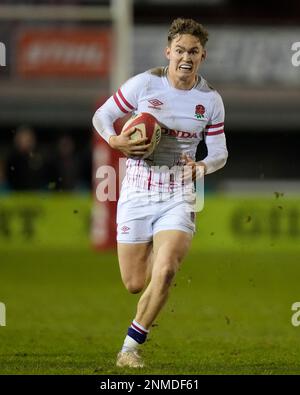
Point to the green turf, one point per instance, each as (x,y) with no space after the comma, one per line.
(67,313)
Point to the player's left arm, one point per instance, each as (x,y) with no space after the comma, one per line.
(215,139)
(215,142)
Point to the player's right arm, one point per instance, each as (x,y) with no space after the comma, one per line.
(122,102)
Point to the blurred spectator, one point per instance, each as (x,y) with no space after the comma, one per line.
(25,164)
(86,166)
(3,184)
(63,167)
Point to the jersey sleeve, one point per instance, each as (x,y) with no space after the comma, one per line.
(122,102)
(215,138)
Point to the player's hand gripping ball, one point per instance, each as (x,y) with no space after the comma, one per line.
(146,126)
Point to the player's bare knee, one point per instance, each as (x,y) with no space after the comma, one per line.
(134,286)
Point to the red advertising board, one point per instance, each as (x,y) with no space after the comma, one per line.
(64,52)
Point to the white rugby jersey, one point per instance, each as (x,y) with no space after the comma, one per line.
(186,116)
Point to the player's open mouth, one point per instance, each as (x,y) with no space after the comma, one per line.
(185,67)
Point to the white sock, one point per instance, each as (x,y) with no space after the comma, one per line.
(129,344)
(137,331)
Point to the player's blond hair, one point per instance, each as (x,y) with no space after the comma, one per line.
(187,26)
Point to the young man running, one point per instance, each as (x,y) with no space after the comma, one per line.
(154,230)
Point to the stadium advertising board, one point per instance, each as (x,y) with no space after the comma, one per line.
(63,221)
(44,221)
(236,55)
(64,52)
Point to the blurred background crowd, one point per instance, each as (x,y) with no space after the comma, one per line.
(33,161)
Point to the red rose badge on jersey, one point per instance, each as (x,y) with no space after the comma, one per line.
(199,111)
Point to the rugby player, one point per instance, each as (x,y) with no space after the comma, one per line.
(154,231)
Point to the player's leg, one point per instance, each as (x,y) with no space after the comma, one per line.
(135,263)
(173,232)
(170,247)
(134,236)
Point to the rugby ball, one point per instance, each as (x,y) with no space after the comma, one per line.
(146,125)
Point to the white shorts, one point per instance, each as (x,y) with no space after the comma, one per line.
(141,214)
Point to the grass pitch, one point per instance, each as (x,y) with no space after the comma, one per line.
(228,313)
